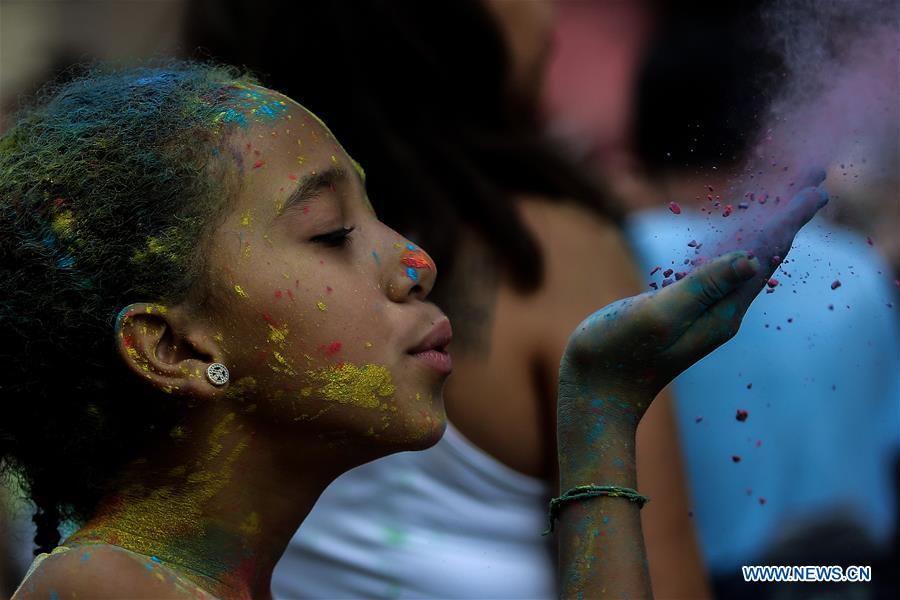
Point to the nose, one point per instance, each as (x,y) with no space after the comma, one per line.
(410,272)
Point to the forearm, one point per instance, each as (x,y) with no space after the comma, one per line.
(601,547)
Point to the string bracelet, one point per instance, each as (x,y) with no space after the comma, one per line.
(581,492)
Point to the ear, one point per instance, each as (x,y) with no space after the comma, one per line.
(159,345)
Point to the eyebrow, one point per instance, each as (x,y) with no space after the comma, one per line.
(311,185)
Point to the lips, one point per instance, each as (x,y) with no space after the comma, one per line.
(432,349)
(437,339)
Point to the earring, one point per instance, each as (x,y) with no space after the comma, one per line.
(217,373)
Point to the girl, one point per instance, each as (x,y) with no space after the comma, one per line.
(204,324)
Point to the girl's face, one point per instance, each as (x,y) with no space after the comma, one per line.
(317,306)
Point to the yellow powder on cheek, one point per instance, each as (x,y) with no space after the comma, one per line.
(349,384)
(240,291)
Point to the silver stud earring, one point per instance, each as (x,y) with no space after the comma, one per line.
(217,373)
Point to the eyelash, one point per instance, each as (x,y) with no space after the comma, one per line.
(334,239)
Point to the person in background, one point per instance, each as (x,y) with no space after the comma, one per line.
(678,122)
(439,102)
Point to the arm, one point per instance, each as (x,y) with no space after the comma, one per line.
(676,565)
(575,242)
(616,362)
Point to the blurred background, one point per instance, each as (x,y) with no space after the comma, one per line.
(676,101)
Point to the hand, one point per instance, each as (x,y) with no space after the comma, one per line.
(625,353)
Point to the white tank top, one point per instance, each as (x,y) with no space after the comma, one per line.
(448,522)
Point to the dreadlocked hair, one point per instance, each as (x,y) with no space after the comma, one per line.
(109,185)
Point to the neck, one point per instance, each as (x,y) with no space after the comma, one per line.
(221,507)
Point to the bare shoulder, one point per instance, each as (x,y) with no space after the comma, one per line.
(103,571)
(587,257)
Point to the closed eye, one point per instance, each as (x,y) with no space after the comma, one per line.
(334,239)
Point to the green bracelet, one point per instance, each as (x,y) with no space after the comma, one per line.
(580,492)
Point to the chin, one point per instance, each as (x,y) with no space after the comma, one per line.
(417,427)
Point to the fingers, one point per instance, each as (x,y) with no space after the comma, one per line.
(706,286)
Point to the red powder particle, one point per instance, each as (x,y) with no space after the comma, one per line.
(278,294)
(667,273)
(292,177)
(835,284)
(655,269)
(328,289)
(728,209)
(741,415)
(258,164)
(675,208)
(680,275)
(305,210)
(762,501)
(291,294)
(869,241)
(128,341)
(332,348)
(749,386)
(772,282)
(736,458)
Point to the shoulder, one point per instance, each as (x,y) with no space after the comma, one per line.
(103,571)
(587,257)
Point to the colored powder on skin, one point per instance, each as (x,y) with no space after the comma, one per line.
(331,349)
(412,274)
(363,386)
(278,294)
(258,164)
(247,218)
(375,256)
(675,208)
(278,335)
(240,291)
(250,525)
(322,306)
(417,260)
(170,515)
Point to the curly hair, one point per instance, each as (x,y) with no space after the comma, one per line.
(109,186)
